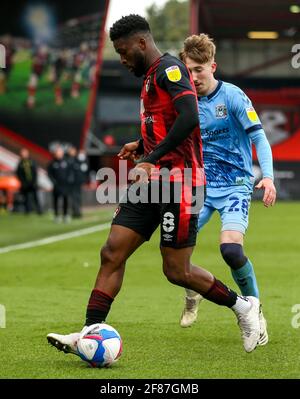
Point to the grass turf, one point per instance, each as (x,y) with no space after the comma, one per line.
(46,289)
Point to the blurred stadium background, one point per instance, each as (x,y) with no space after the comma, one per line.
(257,50)
(82,96)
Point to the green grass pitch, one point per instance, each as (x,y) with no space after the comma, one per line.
(46,289)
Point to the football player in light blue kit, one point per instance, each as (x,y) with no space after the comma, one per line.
(229,126)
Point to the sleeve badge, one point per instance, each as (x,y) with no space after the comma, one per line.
(173,73)
(252,115)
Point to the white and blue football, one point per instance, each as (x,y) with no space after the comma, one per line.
(100,346)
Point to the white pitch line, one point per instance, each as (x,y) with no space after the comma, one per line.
(50,240)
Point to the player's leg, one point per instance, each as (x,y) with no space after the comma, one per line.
(131,226)
(177,248)
(121,243)
(234,216)
(179,271)
(232,250)
(192,298)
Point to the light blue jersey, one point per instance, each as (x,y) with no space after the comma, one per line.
(226,120)
(229,125)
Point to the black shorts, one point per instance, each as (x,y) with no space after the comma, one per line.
(178,220)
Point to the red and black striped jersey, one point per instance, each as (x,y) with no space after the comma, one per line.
(165,81)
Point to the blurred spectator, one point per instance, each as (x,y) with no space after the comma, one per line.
(58,173)
(27,174)
(9,59)
(3,202)
(77,176)
(40,62)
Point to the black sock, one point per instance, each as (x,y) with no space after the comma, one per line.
(221,295)
(98,307)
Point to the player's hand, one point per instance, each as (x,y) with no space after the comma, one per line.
(141,172)
(270,191)
(128,151)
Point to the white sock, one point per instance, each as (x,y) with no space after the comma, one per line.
(190,293)
(242,305)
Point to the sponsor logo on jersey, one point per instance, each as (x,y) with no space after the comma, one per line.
(221,111)
(167,237)
(240,180)
(218,134)
(173,73)
(168,222)
(252,115)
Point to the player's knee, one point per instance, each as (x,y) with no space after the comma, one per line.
(174,277)
(233,255)
(175,274)
(110,256)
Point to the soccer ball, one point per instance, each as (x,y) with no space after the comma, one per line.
(100,346)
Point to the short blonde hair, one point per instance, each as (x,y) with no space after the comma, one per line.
(199,48)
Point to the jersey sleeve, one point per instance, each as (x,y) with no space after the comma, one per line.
(243,110)
(173,76)
(264,152)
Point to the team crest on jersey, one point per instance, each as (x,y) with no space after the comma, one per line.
(252,115)
(221,111)
(173,73)
(148,84)
(142,107)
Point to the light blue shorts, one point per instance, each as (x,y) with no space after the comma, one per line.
(232,203)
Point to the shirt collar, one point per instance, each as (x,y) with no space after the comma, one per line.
(212,94)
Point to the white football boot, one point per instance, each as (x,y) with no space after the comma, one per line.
(249,324)
(264,338)
(190,311)
(68,343)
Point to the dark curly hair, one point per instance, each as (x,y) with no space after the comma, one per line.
(127,26)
